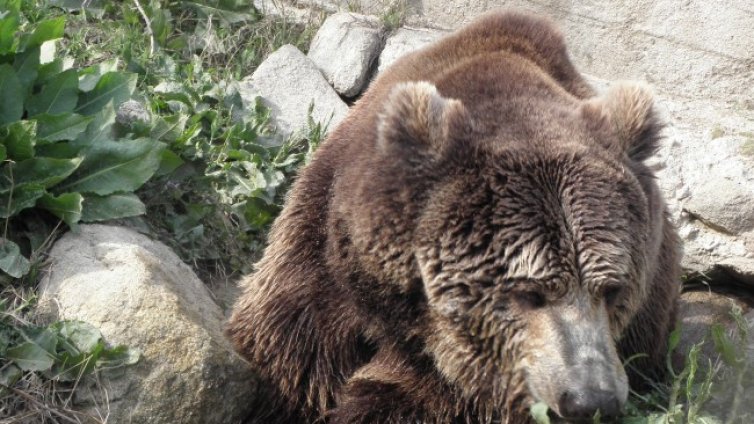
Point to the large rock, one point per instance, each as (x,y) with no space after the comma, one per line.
(289,83)
(406,40)
(345,48)
(706,170)
(139,293)
(698,48)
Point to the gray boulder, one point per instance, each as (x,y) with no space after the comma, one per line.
(345,48)
(140,294)
(406,40)
(288,83)
(706,170)
(697,50)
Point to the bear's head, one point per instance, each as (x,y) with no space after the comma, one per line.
(531,245)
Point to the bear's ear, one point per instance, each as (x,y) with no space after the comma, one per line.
(417,117)
(626,112)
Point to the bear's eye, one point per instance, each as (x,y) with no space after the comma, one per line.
(611,294)
(530,299)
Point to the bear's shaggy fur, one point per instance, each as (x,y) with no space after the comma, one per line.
(479,234)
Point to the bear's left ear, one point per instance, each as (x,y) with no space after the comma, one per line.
(626,113)
(417,117)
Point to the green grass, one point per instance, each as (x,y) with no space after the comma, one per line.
(394,14)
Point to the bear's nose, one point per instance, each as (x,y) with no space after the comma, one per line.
(584,404)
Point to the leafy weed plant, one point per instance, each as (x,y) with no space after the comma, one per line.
(215,175)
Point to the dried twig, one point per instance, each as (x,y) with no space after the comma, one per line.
(149,27)
(40,405)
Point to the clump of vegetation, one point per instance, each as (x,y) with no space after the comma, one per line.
(43,364)
(394,14)
(205,167)
(227,172)
(60,151)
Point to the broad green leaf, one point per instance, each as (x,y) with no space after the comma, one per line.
(49,29)
(19,198)
(26,65)
(168,128)
(35,354)
(115,166)
(115,87)
(258,213)
(93,7)
(119,356)
(12,97)
(78,347)
(68,126)
(90,76)
(99,130)
(3,153)
(44,171)
(10,6)
(59,95)
(82,335)
(60,150)
(8,27)
(169,162)
(724,345)
(70,367)
(9,375)
(181,97)
(50,70)
(19,138)
(102,208)
(674,339)
(12,262)
(539,413)
(67,206)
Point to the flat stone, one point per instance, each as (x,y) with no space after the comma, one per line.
(406,40)
(345,48)
(139,294)
(289,83)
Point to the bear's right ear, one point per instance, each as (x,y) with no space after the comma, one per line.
(417,117)
(627,116)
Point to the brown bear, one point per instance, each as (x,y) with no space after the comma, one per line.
(479,234)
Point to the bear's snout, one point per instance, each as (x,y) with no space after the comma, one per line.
(573,365)
(584,403)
